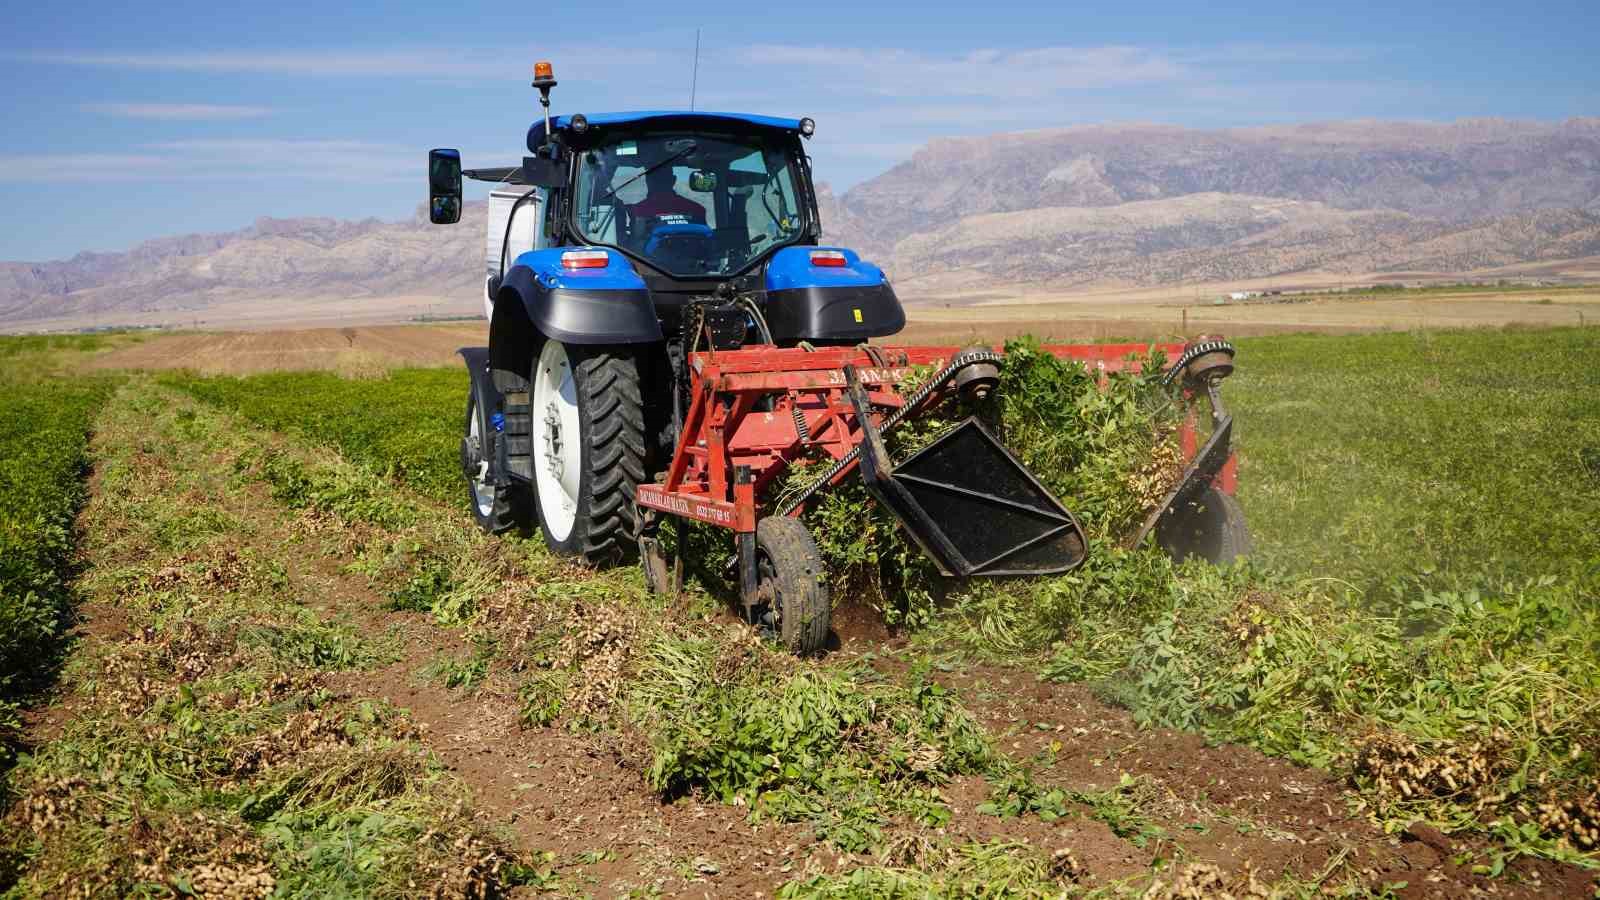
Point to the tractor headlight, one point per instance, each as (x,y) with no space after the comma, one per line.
(807,127)
(580,123)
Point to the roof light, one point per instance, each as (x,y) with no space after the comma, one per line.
(585,259)
(543,73)
(807,127)
(831,259)
(579,123)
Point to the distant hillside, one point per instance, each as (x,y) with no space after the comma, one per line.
(272,260)
(1456,172)
(1124,204)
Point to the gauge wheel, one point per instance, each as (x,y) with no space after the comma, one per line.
(495,508)
(1212,527)
(588,449)
(792,606)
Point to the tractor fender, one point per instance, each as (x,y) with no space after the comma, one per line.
(477,360)
(849,301)
(603,305)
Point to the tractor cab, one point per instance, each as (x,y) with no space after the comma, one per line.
(689,196)
(699,208)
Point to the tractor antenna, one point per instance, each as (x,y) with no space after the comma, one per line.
(694,77)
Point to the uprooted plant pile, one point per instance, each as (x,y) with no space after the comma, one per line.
(1104,443)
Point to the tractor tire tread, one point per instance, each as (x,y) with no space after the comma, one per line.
(609,380)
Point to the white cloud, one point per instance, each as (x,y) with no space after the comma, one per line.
(426,63)
(48,167)
(178,112)
(1030,73)
(223,159)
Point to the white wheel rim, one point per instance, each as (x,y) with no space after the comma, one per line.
(482,490)
(558,460)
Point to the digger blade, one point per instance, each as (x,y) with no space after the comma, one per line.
(1196,478)
(975,509)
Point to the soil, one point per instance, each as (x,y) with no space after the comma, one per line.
(356,351)
(1171,313)
(1224,804)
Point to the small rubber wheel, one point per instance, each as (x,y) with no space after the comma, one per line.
(495,508)
(1212,528)
(792,584)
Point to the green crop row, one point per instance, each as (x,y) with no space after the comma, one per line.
(44,430)
(1380,457)
(406,424)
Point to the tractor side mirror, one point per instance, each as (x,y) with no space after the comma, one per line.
(702,182)
(444,186)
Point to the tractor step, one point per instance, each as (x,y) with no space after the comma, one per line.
(518,435)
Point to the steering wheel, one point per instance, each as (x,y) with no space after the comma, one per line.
(688,242)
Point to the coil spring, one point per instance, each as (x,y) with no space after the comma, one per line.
(800,424)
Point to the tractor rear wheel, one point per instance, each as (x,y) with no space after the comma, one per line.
(588,449)
(1212,527)
(496,508)
(792,585)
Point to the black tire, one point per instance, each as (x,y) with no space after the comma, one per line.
(495,509)
(793,584)
(610,417)
(1212,527)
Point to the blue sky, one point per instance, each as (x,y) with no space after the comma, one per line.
(131,121)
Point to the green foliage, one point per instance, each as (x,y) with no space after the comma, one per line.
(842,748)
(305,641)
(1090,444)
(1085,441)
(465,672)
(205,738)
(337,490)
(44,433)
(1371,458)
(432,581)
(998,870)
(1120,807)
(38,344)
(406,425)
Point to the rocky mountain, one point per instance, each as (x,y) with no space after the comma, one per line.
(1124,204)
(269,261)
(1454,172)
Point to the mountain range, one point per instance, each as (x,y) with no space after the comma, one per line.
(1084,206)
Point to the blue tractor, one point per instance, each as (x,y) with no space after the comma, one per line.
(667,336)
(616,231)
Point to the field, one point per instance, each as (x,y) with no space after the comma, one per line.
(1162,313)
(282,662)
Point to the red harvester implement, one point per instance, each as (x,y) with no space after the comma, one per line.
(971,506)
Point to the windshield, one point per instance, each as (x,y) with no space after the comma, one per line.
(690,204)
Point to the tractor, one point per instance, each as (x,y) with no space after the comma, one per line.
(668,335)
